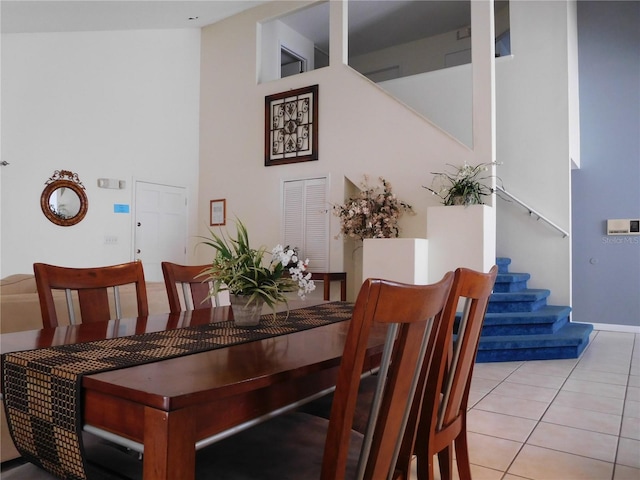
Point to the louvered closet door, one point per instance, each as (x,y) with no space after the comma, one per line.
(305,216)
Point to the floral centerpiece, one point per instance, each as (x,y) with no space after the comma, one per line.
(463,186)
(245,273)
(373,213)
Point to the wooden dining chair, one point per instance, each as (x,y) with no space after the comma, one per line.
(91,286)
(299,445)
(194,288)
(442,366)
(443,418)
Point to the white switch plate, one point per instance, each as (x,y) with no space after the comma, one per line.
(111,183)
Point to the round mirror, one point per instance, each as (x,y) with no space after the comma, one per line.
(64,201)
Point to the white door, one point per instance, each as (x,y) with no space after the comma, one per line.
(305,216)
(160,228)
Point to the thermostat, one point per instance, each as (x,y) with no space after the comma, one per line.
(623,226)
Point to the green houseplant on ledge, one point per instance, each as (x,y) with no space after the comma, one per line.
(462,187)
(250,280)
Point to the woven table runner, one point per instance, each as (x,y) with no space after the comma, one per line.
(42,388)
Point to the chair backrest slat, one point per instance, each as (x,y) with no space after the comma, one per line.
(186,295)
(70,310)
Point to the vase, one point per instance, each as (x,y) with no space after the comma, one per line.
(246,314)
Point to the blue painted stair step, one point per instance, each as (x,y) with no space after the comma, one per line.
(525,300)
(548,319)
(511,282)
(567,342)
(519,324)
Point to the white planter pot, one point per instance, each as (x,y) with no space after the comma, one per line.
(460,237)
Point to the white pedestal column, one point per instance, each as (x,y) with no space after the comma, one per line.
(399,259)
(460,237)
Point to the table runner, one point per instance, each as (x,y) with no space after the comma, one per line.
(42,388)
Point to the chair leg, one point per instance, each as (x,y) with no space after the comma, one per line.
(462,456)
(445,462)
(425,469)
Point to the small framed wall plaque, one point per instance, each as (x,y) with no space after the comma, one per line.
(218,212)
(291,126)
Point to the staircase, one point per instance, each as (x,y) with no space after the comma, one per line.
(519,325)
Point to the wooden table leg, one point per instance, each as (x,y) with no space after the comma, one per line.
(327,286)
(169,445)
(343,289)
(326,278)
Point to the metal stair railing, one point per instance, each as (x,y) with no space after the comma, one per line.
(531,210)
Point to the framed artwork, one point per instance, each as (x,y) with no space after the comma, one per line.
(218,212)
(291,126)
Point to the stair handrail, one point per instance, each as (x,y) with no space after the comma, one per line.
(532,211)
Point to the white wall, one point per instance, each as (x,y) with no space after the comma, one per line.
(362,130)
(533,144)
(119,105)
(450,108)
(537,133)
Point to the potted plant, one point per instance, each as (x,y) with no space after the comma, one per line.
(250,279)
(462,187)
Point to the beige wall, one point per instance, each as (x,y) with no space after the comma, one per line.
(362,131)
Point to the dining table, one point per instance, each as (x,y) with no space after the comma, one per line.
(169,407)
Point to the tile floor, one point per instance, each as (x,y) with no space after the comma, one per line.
(573,419)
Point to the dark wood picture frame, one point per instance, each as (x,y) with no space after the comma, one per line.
(218,212)
(58,183)
(291,126)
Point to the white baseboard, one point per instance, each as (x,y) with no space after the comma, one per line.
(616,328)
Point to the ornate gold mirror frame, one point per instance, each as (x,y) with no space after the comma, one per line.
(64,200)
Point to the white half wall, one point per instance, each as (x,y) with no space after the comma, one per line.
(403,260)
(461,236)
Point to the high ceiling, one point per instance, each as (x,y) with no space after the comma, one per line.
(27,16)
(373,24)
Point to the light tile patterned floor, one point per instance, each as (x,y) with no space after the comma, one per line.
(574,419)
